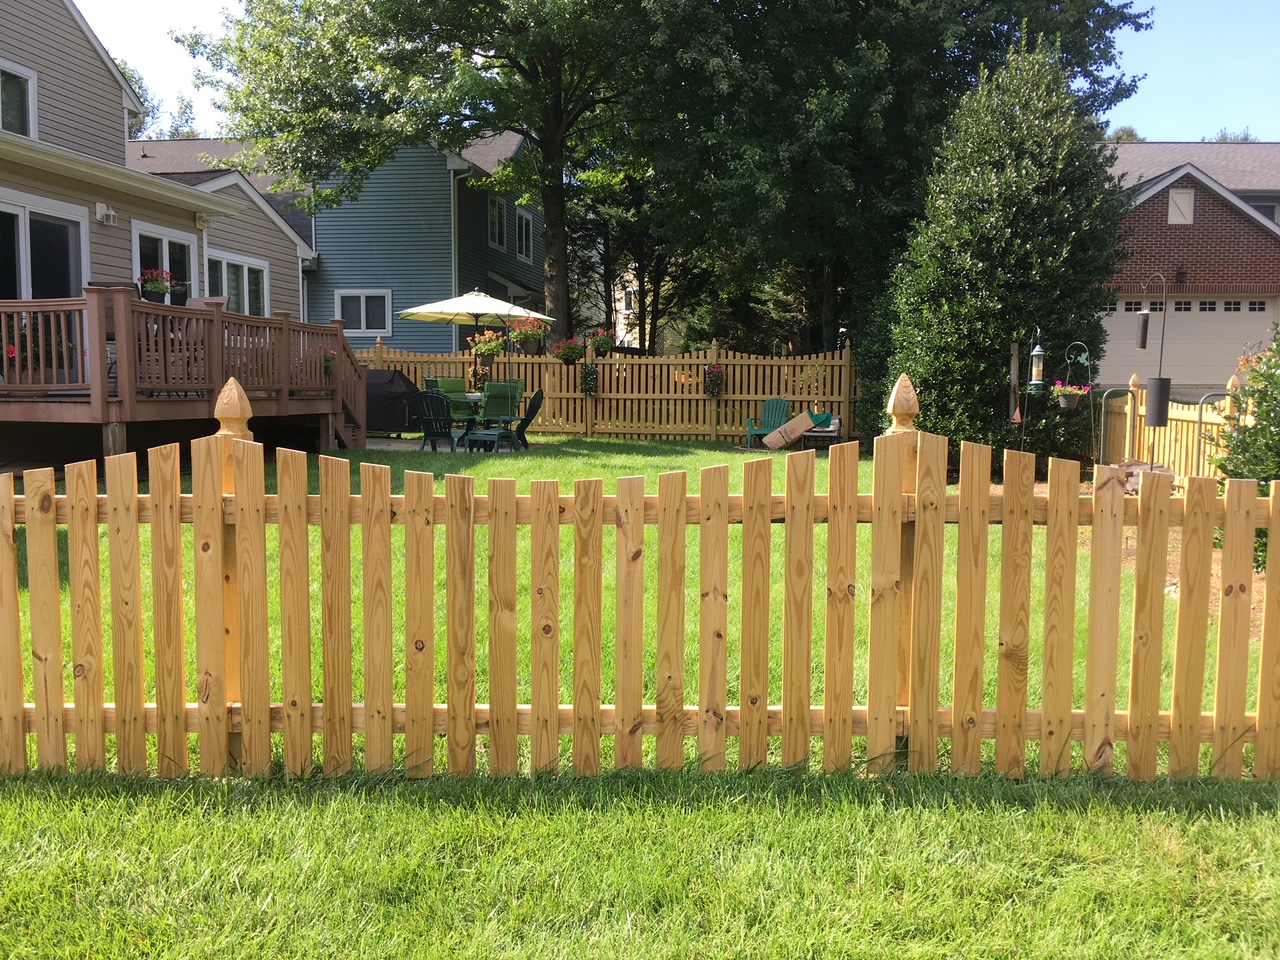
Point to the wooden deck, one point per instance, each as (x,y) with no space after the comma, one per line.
(111,359)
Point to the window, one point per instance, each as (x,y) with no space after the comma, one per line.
(524,234)
(164,248)
(1182,306)
(1230,306)
(1132,306)
(629,300)
(17,99)
(242,281)
(497,221)
(1157,306)
(1257,306)
(1182,206)
(1111,306)
(43,247)
(1268,210)
(364,311)
(1208,306)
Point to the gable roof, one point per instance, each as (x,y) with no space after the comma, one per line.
(1152,187)
(488,152)
(131,101)
(210,181)
(1247,167)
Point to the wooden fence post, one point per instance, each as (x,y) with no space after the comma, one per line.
(379,354)
(903,407)
(1131,419)
(232,411)
(588,400)
(713,408)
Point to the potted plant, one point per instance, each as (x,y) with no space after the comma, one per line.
(155,285)
(602,342)
(569,351)
(486,346)
(713,379)
(528,332)
(1068,394)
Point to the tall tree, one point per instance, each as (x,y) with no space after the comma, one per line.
(1022,227)
(329,90)
(1227,136)
(1125,135)
(147,125)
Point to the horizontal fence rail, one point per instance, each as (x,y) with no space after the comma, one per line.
(726,643)
(654,397)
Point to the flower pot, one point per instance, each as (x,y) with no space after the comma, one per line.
(153,296)
(178,295)
(1069,401)
(486,361)
(529,347)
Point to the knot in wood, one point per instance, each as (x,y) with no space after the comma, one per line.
(419,645)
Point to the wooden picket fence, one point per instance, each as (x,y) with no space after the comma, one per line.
(241,656)
(657,398)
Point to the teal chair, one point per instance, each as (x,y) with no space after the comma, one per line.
(773,414)
(455,388)
(501,405)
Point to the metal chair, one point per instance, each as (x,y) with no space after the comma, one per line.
(431,412)
(773,414)
(496,436)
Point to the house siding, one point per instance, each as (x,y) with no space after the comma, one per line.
(79,101)
(251,233)
(397,236)
(476,258)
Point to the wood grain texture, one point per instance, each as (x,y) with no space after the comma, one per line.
(1229,725)
(126,612)
(907,567)
(672,563)
(1191,641)
(1062,540)
(84,566)
(1154,492)
(757,487)
(926,602)
(886,587)
(1266,761)
(503,758)
(713,617)
(419,624)
(295,610)
(164,482)
(842,567)
(460,605)
(211,659)
(379,657)
(255,647)
(545,613)
(588,578)
(335,607)
(797,609)
(629,614)
(1104,618)
(13,724)
(44,595)
(1015,613)
(971,606)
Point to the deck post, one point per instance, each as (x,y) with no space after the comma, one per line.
(126,350)
(97,368)
(284,361)
(232,411)
(903,407)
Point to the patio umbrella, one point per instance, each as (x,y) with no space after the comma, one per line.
(474,306)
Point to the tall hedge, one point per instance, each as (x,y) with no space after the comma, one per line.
(1023,225)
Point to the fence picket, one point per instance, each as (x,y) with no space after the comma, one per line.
(629,668)
(13,722)
(85,568)
(1061,539)
(926,601)
(886,559)
(1266,760)
(797,608)
(460,604)
(1104,618)
(1015,612)
(588,598)
(842,567)
(1148,623)
(165,485)
(713,615)
(971,606)
(295,610)
(1192,631)
(379,667)
(502,628)
(672,488)
(126,612)
(255,654)
(335,641)
(46,618)
(1229,725)
(419,626)
(545,614)
(757,534)
(211,643)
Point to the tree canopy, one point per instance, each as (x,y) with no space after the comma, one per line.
(148,125)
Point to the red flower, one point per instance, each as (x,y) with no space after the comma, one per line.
(13,352)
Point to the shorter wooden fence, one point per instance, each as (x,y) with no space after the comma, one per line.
(882,596)
(655,398)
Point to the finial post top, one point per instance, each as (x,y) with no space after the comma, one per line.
(903,406)
(233,411)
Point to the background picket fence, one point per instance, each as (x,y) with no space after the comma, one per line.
(244,649)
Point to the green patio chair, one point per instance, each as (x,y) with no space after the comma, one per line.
(773,414)
(455,388)
(501,406)
(497,436)
(431,412)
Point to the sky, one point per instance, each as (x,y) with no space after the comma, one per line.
(1209,64)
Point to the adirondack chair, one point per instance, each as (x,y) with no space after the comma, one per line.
(501,405)
(455,388)
(496,436)
(432,413)
(773,414)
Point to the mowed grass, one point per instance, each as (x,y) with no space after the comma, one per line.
(648,865)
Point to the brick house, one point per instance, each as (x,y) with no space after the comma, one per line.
(1205,219)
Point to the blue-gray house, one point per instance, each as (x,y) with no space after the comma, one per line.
(420,232)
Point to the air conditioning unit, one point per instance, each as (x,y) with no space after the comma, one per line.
(106,215)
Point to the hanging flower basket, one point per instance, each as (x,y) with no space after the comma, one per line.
(713,379)
(590,379)
(1069,401)
(569,351)
(1068,394)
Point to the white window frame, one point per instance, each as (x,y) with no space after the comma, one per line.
(140,227)
(1257,306)
(1230,306)
(497,212)
(1208,306)
(1182,306)
(25,204)
(362,293)
(1182,206)
(524,224)
(1132,306)
(240,260)
(1156,305)
(33,119)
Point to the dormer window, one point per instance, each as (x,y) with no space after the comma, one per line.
(17,99)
